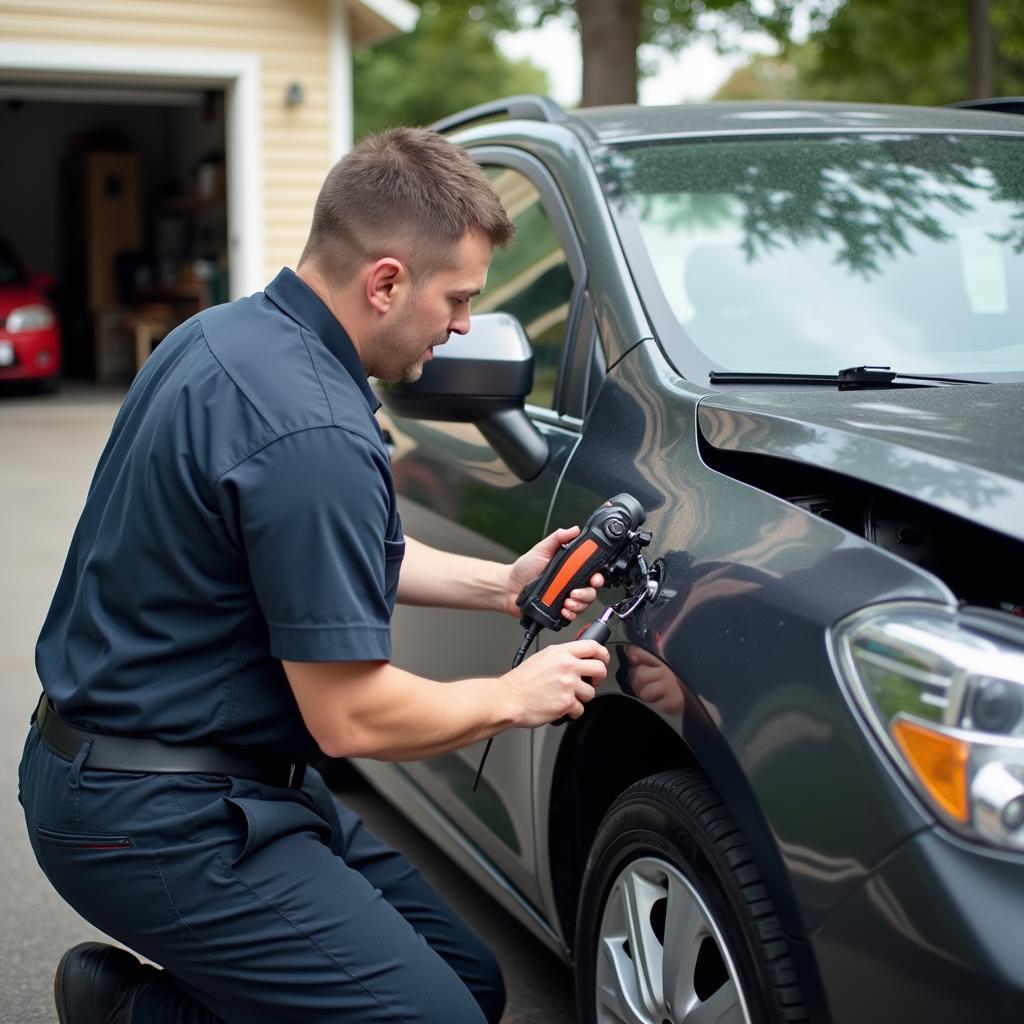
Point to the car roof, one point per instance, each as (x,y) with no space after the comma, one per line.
(617,124)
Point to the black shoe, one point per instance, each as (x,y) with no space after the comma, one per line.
(96,984)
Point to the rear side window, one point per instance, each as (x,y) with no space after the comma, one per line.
(530,279)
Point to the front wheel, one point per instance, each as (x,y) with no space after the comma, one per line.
(674,923)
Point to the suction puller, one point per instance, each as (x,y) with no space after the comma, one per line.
(611,543)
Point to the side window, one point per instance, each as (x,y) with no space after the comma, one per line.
(530,279)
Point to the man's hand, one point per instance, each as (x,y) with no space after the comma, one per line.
(555,681)
(529,566)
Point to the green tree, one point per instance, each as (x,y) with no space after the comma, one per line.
(612,30)
(402,75)
(448,62)
(910,51)
(920,51)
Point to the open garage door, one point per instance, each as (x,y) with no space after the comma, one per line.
(119,196)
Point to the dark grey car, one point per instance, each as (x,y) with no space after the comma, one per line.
(799,794)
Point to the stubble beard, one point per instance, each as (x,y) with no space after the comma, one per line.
(413,372)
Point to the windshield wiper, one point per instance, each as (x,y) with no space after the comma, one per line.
(853,378)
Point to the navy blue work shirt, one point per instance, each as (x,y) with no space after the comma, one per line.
(242,512)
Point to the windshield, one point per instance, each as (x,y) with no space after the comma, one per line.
(807,255)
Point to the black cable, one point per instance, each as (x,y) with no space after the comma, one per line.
(528,637)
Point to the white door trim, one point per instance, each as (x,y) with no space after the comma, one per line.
(237,73)
(340,43)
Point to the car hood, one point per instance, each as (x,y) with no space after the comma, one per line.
(958,448)
(14,295)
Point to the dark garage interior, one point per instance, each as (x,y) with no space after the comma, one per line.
(118,196)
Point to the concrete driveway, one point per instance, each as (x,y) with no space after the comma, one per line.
(48,449)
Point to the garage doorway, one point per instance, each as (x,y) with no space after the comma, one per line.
(120,197)
(136,190)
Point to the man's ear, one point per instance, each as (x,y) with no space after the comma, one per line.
(383,280)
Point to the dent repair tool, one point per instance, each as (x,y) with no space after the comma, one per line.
(610,543)
(645,589)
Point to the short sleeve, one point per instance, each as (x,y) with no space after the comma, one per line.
(312,511)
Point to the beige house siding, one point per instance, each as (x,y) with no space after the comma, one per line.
(289,36)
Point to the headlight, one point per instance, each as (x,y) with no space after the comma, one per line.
(29,318)
(944,691)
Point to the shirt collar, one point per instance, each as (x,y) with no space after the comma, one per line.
(296,299)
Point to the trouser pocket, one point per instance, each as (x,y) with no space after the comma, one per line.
(107,878)
(267,822)
(83,840)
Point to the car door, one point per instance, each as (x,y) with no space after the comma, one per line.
(455,493)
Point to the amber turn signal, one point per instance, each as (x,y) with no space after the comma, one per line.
(940,763)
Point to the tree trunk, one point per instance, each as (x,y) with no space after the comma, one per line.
(982,59)
(609,35)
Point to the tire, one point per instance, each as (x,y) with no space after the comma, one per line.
(669,869)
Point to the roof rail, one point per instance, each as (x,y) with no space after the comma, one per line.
(1000,104)
(526,107)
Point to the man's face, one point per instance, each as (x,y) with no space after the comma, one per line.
(435,307)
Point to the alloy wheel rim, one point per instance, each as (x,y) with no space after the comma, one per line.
(661,956)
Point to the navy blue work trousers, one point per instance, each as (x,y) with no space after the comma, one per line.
(261,903)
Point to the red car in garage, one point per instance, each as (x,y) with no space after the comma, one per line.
(29,333)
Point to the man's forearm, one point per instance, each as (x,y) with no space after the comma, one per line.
(442,579)
(370,709)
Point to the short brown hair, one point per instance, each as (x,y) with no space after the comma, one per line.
(405,192)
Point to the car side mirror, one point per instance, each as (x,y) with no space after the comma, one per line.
(481,377)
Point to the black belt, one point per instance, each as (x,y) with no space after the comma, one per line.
(137,754)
